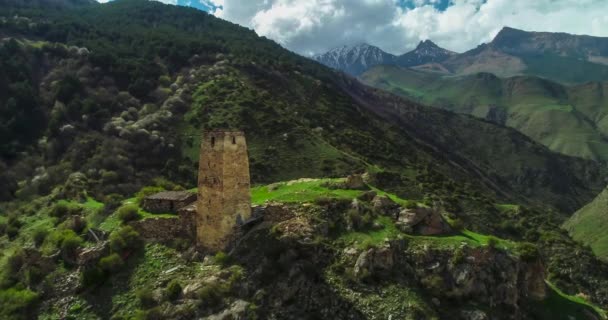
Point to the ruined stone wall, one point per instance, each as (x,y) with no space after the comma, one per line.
(166,205)
(224,199)
(157,206)
(166,229)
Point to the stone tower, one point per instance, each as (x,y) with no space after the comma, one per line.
(224,199)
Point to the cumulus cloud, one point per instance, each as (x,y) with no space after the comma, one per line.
(312,26)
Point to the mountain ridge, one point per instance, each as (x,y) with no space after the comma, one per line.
(561,57)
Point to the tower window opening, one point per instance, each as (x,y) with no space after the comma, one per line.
(212,142)
(233,140)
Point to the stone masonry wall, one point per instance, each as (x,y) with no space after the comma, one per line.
(224,199)
(166,229)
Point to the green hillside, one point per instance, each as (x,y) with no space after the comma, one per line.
(589,224)
(103,104)
(570,120)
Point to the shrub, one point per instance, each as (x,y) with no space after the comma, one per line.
(126,238)
(3,228)
(39,235)
(33,276)
(145,297)
(411,205)
(173,291)
(492,242)
(146,191)
(59,210)
(527,251)
(111,263)
(129,212)
(17,303)
(15,262)
(12,232)
(70,243)
(221,258)
(92,276)
(457,224)
(111,203)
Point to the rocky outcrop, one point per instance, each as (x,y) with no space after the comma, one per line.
(422,221)
(238,310)
(483,274)
(354,181)
(373,261)
(383,205)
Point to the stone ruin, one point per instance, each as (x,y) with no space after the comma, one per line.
(168,201)
(223,204)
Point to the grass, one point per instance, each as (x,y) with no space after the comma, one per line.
(588,225)
(370,238)
(113,222)
(307,190)
(559,305)
(567,119)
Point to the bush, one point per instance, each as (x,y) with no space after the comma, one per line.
(69,243)
(12,232)
(129,212)
(411,205)
(39,235)
(3,228)
(457,224)
(92,276)
(33,276)
(145,297)
(59,210)
(527,251)
(146,191)
(17,303)
(126,238)
(111,263)
(492,242)
(173,291)
(221,258)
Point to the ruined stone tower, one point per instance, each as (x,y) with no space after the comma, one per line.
(224,200)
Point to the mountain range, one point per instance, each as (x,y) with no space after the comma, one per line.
(103,104)
(355,60)
(565,58)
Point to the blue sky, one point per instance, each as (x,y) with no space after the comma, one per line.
(396,26)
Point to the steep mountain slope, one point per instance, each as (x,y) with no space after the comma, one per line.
(426,52)
(123,90)
(560,57)
(570,120)
(355,59)
(589,224)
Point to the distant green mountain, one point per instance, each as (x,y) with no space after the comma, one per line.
(589,225)
(565,58)
(568,119)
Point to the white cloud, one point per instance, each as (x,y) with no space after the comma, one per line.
(308,26)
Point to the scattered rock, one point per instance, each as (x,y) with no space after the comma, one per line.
(238,310)
(474,315)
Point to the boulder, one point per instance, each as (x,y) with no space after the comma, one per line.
(374,260)
(276,212)
(423,221)
(354,181)
(385,206)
